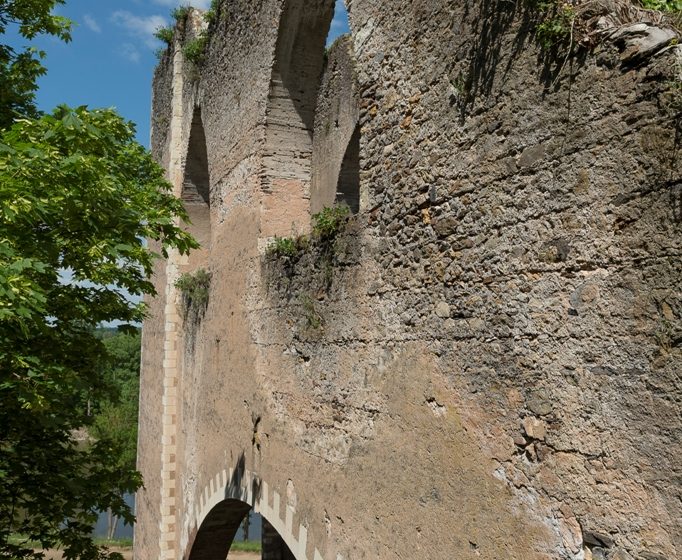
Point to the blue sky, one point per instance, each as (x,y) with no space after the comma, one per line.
(110,61)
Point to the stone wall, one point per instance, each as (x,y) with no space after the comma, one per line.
(484,362)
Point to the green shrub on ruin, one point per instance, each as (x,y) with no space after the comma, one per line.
(180,13)
(329,222)
(211,15)
(557,25)
(554,21)
(165,35)
(287,246)
(195,49)
(663,5)
(194,287)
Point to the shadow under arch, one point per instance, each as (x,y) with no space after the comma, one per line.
(224,502)
(214,538)
(348,186)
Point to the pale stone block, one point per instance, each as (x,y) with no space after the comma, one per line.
(288,519)
(264,492)
(302,540)
(275,504)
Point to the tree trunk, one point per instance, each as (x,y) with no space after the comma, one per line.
(112,523)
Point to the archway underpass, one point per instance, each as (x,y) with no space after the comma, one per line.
(220,529)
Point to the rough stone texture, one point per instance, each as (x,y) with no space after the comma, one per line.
(485,363)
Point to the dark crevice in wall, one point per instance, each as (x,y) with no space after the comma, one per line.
(348,187)
(196,184)
(196,194)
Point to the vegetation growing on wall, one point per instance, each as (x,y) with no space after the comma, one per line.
(663,5)
(194,287)
(326,225)
(329,222)
(194,50)
(287,246)
(314,259)
(556,27)
(561,24)
(167,34)
(211,15)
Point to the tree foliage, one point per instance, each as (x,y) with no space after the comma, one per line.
(78,197)
(19,69)
(116,417)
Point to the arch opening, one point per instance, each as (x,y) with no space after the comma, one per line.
(337,137)
(196,182)
(196,192)
(224,523)
(348,186)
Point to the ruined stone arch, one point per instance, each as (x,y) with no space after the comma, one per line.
(196,191)
(225,501)
(336,140)
(290,115)
(348,184)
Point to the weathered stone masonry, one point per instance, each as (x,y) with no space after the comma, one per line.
(485,362)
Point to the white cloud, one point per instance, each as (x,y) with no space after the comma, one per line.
(92,24)
(142,27)
(129,51)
